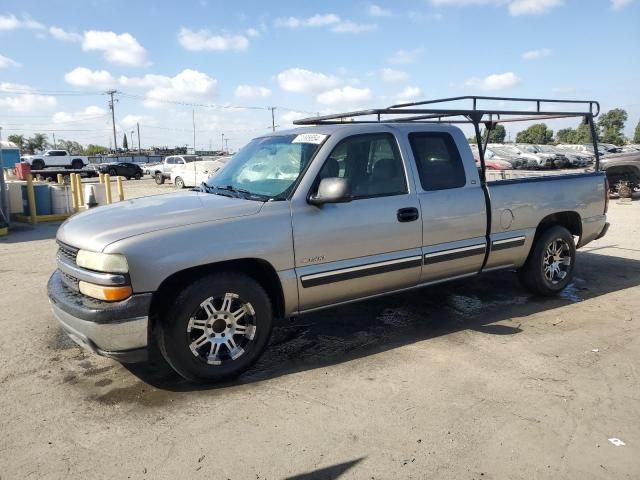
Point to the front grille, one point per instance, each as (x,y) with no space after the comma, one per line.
(68,251)
(70,282)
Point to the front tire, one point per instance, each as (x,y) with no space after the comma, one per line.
(549,268)
(77,164)
(159,179)
(179,182)
(216,328)
(112,172)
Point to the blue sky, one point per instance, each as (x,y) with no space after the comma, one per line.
(57,57)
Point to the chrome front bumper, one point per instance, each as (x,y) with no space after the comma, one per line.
(118,330)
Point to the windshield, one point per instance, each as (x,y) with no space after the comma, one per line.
(268,166)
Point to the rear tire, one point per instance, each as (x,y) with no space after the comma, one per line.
(159,179)
(216,328)
(77,164)
(37,165)
(138,176)
(549,267)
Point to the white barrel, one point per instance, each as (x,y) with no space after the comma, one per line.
(15,196)
(61,202)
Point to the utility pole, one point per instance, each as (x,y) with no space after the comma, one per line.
(222,146)
(138,125)
(54,140)
(111,93)
(193,117)
(273,118)
(4,210)
(226,145)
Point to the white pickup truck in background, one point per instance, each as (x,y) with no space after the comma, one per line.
(55,158)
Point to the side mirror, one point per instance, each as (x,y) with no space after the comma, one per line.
(331,190)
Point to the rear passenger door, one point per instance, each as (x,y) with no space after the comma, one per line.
(454,218)
(364,247)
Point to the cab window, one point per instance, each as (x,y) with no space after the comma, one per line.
(438,160)
(372,164)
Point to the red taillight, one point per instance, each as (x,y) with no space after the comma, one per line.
(606,194)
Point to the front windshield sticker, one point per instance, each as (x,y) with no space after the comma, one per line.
(315,138)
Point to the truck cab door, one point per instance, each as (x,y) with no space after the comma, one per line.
(454,216)
(368,246)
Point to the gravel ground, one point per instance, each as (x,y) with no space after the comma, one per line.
(469,380)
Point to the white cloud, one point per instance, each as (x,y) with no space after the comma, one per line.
(252,32)
(403,57)
(205,40)
(122,49)
(516,7)
(391,75)
(6,62)
(299,80)
(532,7)
(344,95)
(187,86)
(329,20)
(83,77)
(288,118)
(377,11)
(620,4)
(88,113)
(496,81)
(409,93)
(61,34)
(534,54)
(25,99)
(11,22)
(148,81)
(250,91)
(351,27)
(131,121)
(317,20)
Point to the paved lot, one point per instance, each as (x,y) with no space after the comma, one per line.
(469,380)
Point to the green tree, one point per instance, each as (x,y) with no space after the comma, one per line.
(70,145)
(125,144)
(611,125)
(18,140)
(583,134)
(538,134)
(566,135)
(94,149)
(497,135)
(636,135)
(37,143)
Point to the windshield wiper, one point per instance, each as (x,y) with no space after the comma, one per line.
(215,190)
(242,193)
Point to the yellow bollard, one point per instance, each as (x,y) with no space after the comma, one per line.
(101,178)
(60,179)
(31,198)
(80,192)
(74,194)
(107,187)
(120,189)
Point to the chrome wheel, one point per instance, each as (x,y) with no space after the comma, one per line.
(222,329)
(556,261)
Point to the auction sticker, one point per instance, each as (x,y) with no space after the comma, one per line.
(315,138)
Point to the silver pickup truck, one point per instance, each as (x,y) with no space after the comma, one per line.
(301,220)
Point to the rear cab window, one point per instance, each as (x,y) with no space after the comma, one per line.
(438,160)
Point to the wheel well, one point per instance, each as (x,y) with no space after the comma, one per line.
(569,220)
(260,270)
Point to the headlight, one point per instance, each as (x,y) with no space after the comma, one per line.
(102,262)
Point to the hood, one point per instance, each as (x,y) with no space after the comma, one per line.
(98,227)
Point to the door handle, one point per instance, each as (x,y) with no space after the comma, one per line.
(408,214)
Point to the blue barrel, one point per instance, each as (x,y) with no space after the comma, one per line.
(43,199)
